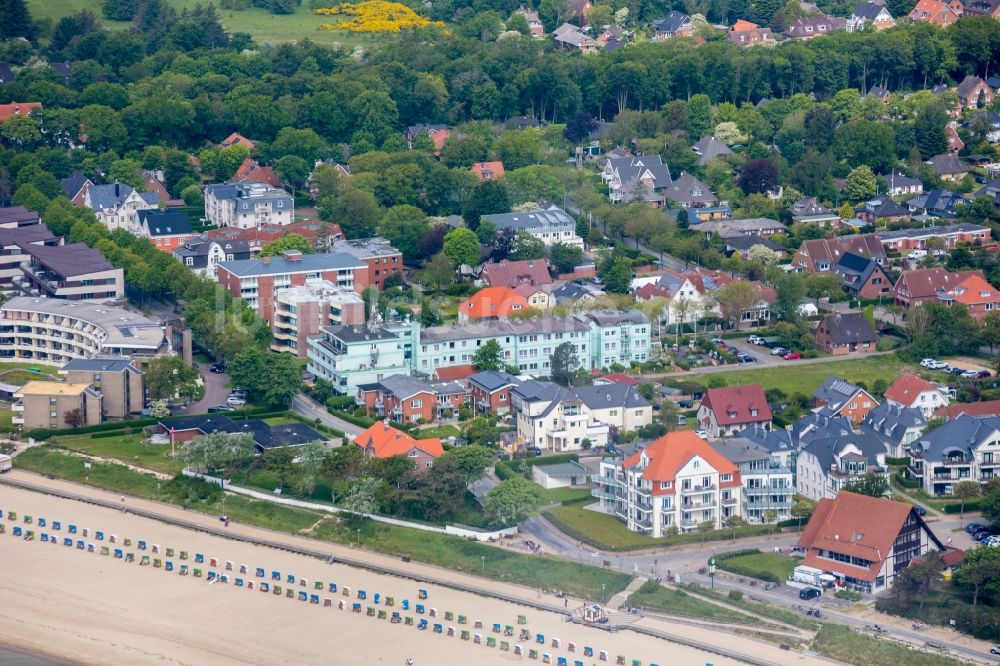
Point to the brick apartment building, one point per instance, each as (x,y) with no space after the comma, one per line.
(406,399)
(302,311)
(56,405)
(119,383)
(381,258)
(489,391)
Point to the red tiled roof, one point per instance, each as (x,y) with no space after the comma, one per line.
(855,525)
(670,453)
(18,109)
(454,372)
(619,378)
(495,169)
(742,25)
(252,172)
(512,273)
(738,400)
(907,389)
(927,282)
(974,290)
(386,442)
(237,138)
(493,302)
(975,409)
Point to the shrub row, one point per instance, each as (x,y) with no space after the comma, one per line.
(905,460)
(551,460)
(971,505)
(503,470)
(737,553)
(904,482)
(361,421)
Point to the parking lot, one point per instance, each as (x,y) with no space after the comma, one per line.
(759,352)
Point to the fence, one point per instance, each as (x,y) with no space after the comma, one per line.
(453,530)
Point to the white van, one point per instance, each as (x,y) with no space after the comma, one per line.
(6,462)
(914,255)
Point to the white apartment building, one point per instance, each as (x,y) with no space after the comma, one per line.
(827,464)
(675,484)
(552,225)
(768,483)
(248,205)
(963,449)
(117,205)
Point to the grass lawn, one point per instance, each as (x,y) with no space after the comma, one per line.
(766,566)
(440,431)
(841,643)
(677,602)
(806,378)
(126,448)
(560,495)
(452,552)
(608,533)
(263,25)
(5,420)
(771,611)
(22,373)
(281,420)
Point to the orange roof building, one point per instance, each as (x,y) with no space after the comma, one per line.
(866,541)
(492,303)
(978,296)
(912,391)
(19,109)
(381,440)
(937,12)
(252,172)
(488,170)
(237,138)
(677,481)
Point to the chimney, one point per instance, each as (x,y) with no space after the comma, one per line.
(266,260)
(293,255)
(118,189)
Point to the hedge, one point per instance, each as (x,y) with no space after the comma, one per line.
(904,482)
(791,522)
(503,470)
(340,402)
(737,553)
(551,460)
(360,421)
(971,505)
(905,460)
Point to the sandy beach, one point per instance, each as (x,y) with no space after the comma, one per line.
(87,608)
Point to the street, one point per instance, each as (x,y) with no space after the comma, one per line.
(312,410)
(216,391)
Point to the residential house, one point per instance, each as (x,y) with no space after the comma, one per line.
(551,225)
(822,254)
(947,166)
(75,186)
(202,254)
(974,93)
(12,254)
(707,281)
(620,406)
(153,182)
(807,27)
(881,94)
(537,297)
(56,406)
(742,245)
(988,121)
(405,399)
(561,475)
(683,299)
(14,217)
(165,229)
(977,295)
(489,391)
(924,284)
(382,441)
(612,37)
(572,38)
(963,449)
(265,436)
(870,11)
(709,213)
(726,229)
(708,148)
(808,210)
(839,398)
(119,383)
(900,185)
(955,143)
(117,205)
(937,12)
(579,10)
(75,272)
(768,482)
(438,134)
(19,109)
(746,33)
(826,464)
(257,281)
(572,292)
(912,391)
(618,337)
(492,303)
(303,311)
(555,419)
(883,211)
(846,334)
(897,426)
(321,235)
(947,237)
(348,356)
(977,410)
(631,179)
(238,139)
(864,542)
(690,192)
(535,26)
(674,24)
(724,411)
(250,171)
(983,8)
(513,273)
(487,170)
(382,259)
(862,277)
(246,205)
(678,481)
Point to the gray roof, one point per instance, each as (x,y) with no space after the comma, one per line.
(835,392)
(534,391)
(947,164)
(828,449)
(818,426)
(307,263)
(402,386)
(553,218)
(69,260)
(73,183)
(247,195)
(868,10)
(855,270)
(165,222)
(747,227)
(848,328)
(500,328)
(123,328)
(708,148)
(892,421)
(629,169)
(689,191)
(957,436)
(199,247)
(928,232)
(360,334)
(901,180)
(740,449)
(570,468)
(884,207)
(671,23)
(772,440)
(100,365)
(491,380)
(614,317)
(939,202)
(113,195)
(610,395)
(571,291)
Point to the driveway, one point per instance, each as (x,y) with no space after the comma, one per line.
(216,391)
(312,410)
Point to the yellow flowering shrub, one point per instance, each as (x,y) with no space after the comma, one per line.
(375,16)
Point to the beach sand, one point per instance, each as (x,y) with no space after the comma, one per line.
(88,608)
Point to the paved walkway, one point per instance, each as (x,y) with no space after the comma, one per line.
(312,410)
(621,598)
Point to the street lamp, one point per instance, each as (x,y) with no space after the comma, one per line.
(483,558)
(602,592)
(359,537)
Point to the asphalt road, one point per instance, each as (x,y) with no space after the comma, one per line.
(216,391)
(312,410)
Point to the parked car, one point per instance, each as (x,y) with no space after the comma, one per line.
(808,593)
(956,371)
(701,433)
(220,408)
(983,374)
(217,368)
(779,351)
(914,255)
(792,356)
(993,541)
(972,528)
(983,535)
(921,511)
(236,402)
(755,340)
(970,374)
(933,364)
(744,357)
(685,404)
(718,341)
(995,649)
(682,420)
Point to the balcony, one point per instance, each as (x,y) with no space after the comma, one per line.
(728,501)
(694,490)
(17,420)
(601,493)
(359,401)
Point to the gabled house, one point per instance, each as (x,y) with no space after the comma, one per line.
(977,410)
(492,303)
(937,203)
(963,449)
(899,184)
(690,192)
(983,8)
(978,296)
(807,27)
(535,26)
(839,398)
(674,24)
(438,134)
(252,172)
(19,109)
(923,285)
(632,179)
(489,391)
(166,229)
(870,11)
(708,148)
(947,166)
(846,334)
(883,211)
(897,426)
(235,139)
(683,298)
(826,464)
(571,38)
(917,393)
(117,205)
(551,225)
(881,94)
(937,12)
(513,273)
(382,441)
(822,254)
(746,33)
(727,229)
(808,210)
(405,399)
(727,410)
(865,542)
(553,418)
(75,186)
(487,170)
(974,93)
(862,277)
